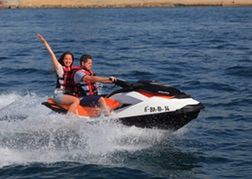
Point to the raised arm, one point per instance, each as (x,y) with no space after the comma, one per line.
(53,57)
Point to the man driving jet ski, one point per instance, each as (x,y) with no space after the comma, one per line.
(85,79)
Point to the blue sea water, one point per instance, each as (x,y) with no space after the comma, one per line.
(204,51)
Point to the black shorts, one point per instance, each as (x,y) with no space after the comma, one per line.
(90,101)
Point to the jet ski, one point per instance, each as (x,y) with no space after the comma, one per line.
(144,104)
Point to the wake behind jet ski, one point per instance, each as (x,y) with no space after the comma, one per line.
(145,104)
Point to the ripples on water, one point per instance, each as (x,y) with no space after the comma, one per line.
(205,52)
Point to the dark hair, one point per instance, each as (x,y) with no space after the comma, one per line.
(63,56)
(84,58)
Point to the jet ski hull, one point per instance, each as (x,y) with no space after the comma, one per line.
(167,120)
(145,104)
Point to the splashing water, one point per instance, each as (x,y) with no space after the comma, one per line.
(32,133)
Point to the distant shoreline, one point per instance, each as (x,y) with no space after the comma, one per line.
(118,4)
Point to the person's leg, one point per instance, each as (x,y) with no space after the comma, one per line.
(90,101)
(72,101)
(104,106)
(93,101)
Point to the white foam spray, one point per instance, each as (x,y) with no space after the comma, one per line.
(30,132)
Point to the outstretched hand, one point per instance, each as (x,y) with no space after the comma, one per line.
(41,38)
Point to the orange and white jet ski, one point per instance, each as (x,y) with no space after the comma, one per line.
(145,104)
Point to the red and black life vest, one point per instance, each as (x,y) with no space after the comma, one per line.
(86,88)
(65,82)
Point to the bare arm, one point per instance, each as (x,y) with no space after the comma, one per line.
(99,79)
(53,57)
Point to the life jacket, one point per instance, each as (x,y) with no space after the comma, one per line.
(65,81)
(85,88)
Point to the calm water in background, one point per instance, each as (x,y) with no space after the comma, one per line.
(204,51)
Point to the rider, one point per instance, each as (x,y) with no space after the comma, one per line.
(87,89)
(63,93)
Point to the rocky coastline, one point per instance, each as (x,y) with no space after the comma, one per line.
(118,3)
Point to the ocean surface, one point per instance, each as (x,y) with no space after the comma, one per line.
(204,51)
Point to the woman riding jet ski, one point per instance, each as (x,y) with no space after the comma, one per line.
(145,104)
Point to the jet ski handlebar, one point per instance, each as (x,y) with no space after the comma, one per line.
(124,84)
